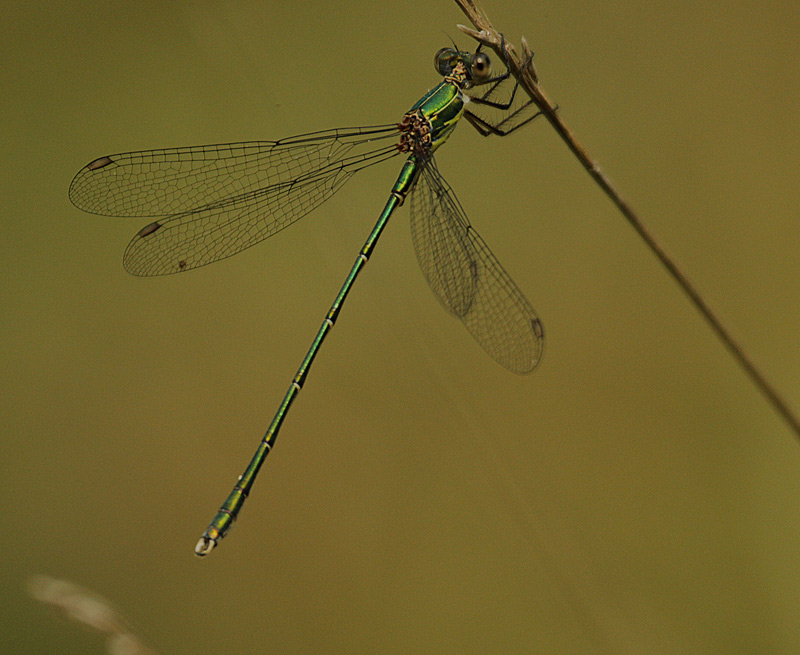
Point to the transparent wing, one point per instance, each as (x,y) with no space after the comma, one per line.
(214,201)
(467,278)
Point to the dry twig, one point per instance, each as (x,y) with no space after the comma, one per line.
(91,610)
(528,78)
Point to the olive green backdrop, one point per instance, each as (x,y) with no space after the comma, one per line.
(634,495)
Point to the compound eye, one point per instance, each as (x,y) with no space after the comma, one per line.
(481,68)
(445,61)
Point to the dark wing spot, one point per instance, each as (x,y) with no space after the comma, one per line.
(538,328)
(99,163)
(147,230)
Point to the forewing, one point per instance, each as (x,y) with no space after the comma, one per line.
(444,251)
(467,278)
(177,180)
(214,201)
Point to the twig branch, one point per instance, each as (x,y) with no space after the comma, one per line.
(91,610)
(528,79)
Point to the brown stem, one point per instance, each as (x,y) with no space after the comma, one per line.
(528,80)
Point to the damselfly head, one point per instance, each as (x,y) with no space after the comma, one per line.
(475,67)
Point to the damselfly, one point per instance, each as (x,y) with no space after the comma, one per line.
(211,202)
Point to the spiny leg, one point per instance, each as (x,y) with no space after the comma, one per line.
(485,128)
(507,125)
(484,99)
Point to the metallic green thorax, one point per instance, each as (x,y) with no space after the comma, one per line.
(441,107)
(425,127)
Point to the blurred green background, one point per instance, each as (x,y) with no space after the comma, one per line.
(634,495)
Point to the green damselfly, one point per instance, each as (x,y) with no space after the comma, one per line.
(211,202)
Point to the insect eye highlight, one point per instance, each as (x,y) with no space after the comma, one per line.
(481,68)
